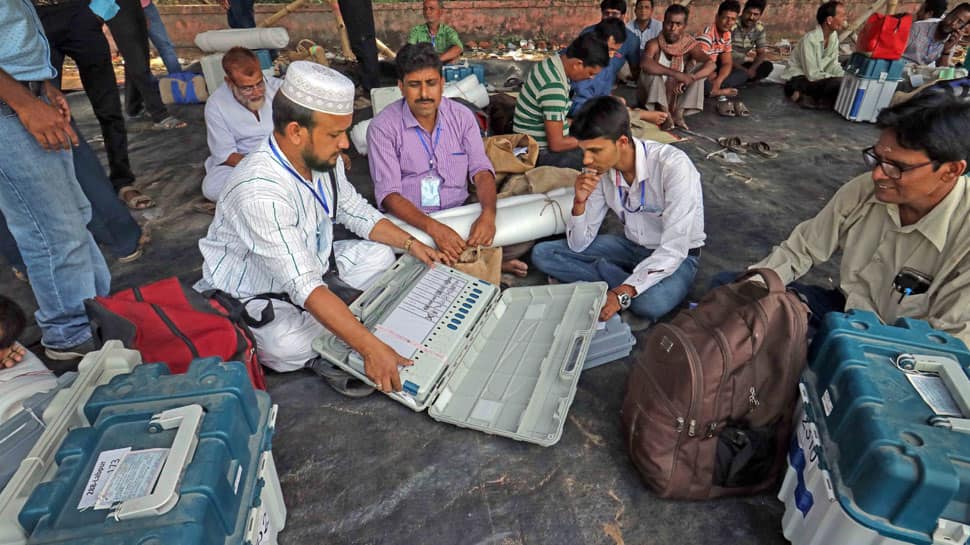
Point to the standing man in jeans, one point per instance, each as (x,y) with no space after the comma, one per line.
(45,208)
(655,191)
(159,37)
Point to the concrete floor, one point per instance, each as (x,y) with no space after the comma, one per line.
(371,471)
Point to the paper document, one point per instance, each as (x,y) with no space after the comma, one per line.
(108,462)
(934,392)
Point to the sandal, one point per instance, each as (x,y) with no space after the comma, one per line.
(725,108)
(341,381)
(138,201)
(143,240)
(732,143)
(170,122)
(741,109)
(762,149)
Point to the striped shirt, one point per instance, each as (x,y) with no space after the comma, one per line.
(713,43)
(544,97)
(270,234)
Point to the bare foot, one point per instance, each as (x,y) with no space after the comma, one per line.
(11,355)
(795,96)
(655,117)
(729,92)
(516,267)
(678,118)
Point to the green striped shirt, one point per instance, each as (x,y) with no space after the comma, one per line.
(544,97)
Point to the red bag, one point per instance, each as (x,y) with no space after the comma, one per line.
(171,323)
(885,36)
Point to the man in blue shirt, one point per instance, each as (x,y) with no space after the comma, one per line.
(612,31)
(46,211)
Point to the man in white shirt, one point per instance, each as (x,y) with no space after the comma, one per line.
(273,230)
(238,117)
(656,192)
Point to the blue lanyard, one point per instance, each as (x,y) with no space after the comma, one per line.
(434,145)
(321,197)
(431,35)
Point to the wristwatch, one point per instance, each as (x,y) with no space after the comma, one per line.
(624,299)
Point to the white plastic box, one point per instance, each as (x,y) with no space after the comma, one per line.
(862,99)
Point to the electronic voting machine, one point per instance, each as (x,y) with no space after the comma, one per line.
(503,363)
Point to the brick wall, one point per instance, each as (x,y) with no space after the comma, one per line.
(555,20)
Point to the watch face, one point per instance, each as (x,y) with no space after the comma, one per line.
(624,300)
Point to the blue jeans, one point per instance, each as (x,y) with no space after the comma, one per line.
(159,37)
(612,258)
(47,213)
(111,222)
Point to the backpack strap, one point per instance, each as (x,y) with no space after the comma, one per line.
(237,309)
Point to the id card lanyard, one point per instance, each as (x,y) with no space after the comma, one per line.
(434,145)
(624,198)
(318,194)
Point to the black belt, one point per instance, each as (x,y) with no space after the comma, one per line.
(694,252)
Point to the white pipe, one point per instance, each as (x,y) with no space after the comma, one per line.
(215,41)
(517,219)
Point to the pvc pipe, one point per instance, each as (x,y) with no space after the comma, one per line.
(358,135)
(215,41)
(517,219)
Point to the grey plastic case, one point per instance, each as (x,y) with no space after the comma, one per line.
(511,364)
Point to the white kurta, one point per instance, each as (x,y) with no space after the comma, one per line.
(231,128)
(270,234)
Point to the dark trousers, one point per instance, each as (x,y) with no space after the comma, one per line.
(111,222)
(734,80)
(564,159)
(359,17)
(130,32)
(74,31)
(824,91)
(739,75)
(241,14)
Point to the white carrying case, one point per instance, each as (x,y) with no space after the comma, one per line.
(511,361)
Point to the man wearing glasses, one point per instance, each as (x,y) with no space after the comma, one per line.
(238,117)
(902,227)
(655,191)
(932,41)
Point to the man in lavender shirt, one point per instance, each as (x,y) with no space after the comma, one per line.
(422,151)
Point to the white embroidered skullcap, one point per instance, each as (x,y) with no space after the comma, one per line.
(319,88)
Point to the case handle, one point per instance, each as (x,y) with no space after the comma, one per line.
(572,359)
(953,377)
(165,495)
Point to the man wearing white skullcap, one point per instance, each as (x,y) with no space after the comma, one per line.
(273,234)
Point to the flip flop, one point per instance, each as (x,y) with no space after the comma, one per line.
(170,122)
(344,383)
(138,202)
(732,143)
(741,109)
(725,108)
(762,149)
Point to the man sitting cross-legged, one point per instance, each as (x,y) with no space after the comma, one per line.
(238,117)
(656,192)
(673,70)
(425,149)
(273,232)
(815,75)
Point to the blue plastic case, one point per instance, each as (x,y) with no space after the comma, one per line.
(220,492)
(891,471)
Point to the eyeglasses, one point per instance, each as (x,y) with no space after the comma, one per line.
(250,89)
(891,170)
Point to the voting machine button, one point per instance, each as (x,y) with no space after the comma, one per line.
(452,326)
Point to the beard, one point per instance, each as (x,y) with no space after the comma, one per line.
(317,164)
(253,105)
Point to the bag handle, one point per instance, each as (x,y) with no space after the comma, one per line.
(771,278)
